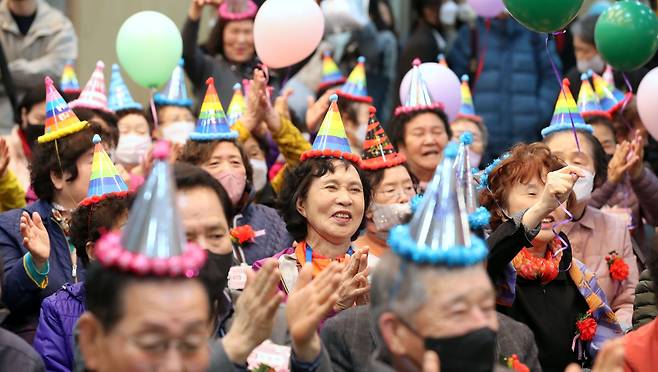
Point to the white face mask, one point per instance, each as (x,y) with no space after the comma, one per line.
(178,131)
(595,64)
(448,13)
(386,216)
(132,148)
(474,158)
(583,187)
(260,173)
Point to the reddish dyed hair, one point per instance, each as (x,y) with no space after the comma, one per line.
(524,163)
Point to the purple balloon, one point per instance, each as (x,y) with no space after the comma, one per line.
(487,8)
(443,86)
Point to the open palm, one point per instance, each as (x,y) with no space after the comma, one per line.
(35,237)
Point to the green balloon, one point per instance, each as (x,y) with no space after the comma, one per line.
(626,35)
(149,46)
(544,15)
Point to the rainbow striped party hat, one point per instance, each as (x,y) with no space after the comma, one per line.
(105,181)
(174,92)
(60,120)
(69,83)
(331,141)
(331,75)
(467,110)
(212,124)
(588,101)
(419,97)
(611,98)
(566,115)
(120,98)
(378,152)
(355,88)
(237,107)
(93,96)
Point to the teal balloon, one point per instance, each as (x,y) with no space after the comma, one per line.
(544,15)
(149,46)
(626,35)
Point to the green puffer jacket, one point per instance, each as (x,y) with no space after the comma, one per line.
(644,306)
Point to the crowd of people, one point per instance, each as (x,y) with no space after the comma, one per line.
(234,226)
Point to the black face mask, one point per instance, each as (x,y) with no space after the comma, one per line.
(32,132)
(215,271)
(473,352)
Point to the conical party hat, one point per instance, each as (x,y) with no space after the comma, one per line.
(611,98)
(608,76)
(467,110)
(153,241)
(105,180)
(175,91)
(439,233)
(93,96)
(588,101)
(331,141)
(441,59)
(69,83)
(419,97)
(237,107)
(566,115)
(378,152)
(331,75)
(355,88)
(120,98)
(60,119)
(478,217)
(212,124)
(237,10)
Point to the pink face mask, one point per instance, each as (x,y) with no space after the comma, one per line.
(234,184)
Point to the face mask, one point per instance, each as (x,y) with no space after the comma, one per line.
(260,173)
(178,131)
(132,148)
(473,352)
(385,216)
(583,187)
(361,133)
(233,183)
(215,272)
(474,158)
(595,64)
(32,132)
(448,13)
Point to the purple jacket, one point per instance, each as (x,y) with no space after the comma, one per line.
(59,314)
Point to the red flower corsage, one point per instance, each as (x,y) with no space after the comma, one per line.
(616,266)
(515,364)
(586,325)
(243,235)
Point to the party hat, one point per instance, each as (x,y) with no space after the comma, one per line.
(153,241)
(105,180)
(355,88)
(120,98)
(588,101)
(237,10)
(93,95)
(441,58)
(175,91)
(331,141)
(608,76)
(378,152)
(69,83)
(439,233)
(478,217)
(419,97)
(60,119)
(331,75)
(212,124)
(467,110)
(566,115)
(611,98)
(237,107)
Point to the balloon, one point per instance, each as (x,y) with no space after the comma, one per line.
(646,102)
(487,8)
(149,46)
(443,85)
(626,35)
(286,33)
(544,15)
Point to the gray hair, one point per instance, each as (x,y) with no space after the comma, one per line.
(584,28)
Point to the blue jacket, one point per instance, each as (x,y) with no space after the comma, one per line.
(517,89)
(59,314)
(276,236)
(19,293)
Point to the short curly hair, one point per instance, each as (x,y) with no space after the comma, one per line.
(199,152)
(397,124)
(297,184)
(46,158)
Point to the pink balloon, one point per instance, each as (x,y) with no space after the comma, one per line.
(646,102)
(443,86)
(487,8)
(287,31)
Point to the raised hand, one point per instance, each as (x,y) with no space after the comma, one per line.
(253,115)
(622,160)
(35,238)
(559,185)
(196,6)
(636,163)
(4,157)
(354,286)
(316,110)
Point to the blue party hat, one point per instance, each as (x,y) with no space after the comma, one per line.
(120,98)
(175,92)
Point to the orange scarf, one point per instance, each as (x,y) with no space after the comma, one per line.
(545,269)
(319,262)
